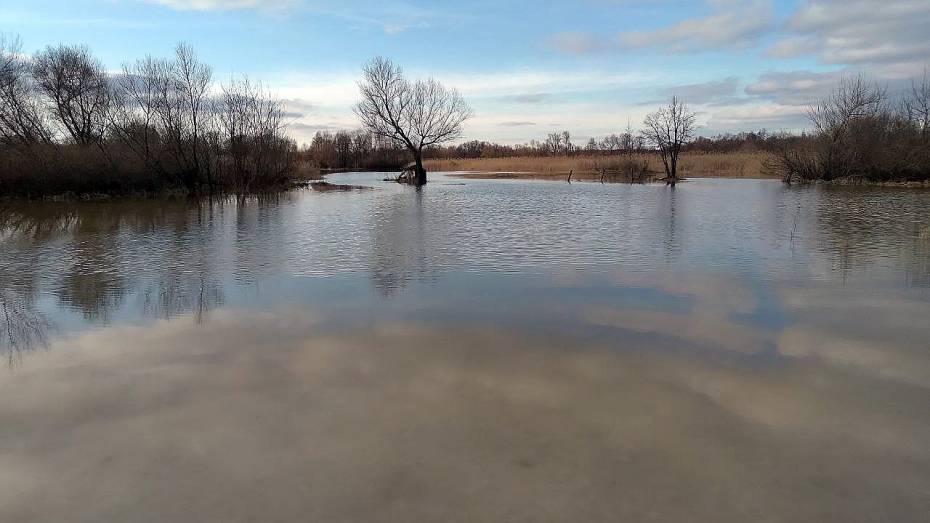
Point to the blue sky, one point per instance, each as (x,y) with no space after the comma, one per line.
(527,67)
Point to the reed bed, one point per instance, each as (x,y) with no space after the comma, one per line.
(696,165)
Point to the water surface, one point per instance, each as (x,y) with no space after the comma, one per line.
(496,350)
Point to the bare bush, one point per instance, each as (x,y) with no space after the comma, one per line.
(156,126)
(251,124)
(859,135)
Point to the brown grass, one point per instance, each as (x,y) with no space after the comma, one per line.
(695,165)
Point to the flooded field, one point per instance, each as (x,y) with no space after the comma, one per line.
(479,350)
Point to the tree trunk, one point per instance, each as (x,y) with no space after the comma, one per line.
(420,175)
(673,171)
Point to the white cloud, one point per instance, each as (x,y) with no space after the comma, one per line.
(391,17)
(890,37)
(732,24)
(223,5)
(794,87)
(576,43)
(323,101)
(793,47)
(771,116)
(527,82)
(713,93)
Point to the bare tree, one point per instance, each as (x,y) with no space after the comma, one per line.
(413,115)
(361,147)
(568,146)
(192,80)
(611,143)
(22,121)
(859,136)
(135,110)
(162,109)
(251,124)
(632,145)
(854,98)
(342,142)
(77,88)
(917,105)
(668,129)
(841,117)
(559,143)
(553,143)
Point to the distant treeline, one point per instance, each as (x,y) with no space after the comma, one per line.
(353,150)
(67,125)
(359,150)
(560,144)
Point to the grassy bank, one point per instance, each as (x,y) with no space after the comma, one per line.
(695,165)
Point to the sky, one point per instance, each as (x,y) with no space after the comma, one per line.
(528,68)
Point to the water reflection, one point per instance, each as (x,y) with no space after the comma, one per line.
(399,249)
(22,327)
(865,227)
(498,350)
(161,259)
(93,283)
(275,415)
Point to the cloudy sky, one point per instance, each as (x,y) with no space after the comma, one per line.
(527,67)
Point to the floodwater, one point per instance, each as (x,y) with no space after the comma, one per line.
(496,350)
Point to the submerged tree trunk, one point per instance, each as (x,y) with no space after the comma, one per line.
(419,178)
(673,172)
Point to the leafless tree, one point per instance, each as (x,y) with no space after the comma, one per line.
(858,135)
(631,144)
(841,118)
(610,143)
(192,80)
(251,124)
(136,108)
(668,129)
(917,105)
(361,147)
(343,145)
(76,86)
(559,143)
(162,109)
(22,121)
(413,115)
(854,98)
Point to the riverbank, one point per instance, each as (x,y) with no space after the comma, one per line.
(749,165)
(61,175)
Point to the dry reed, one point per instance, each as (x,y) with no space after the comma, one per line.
(696,165)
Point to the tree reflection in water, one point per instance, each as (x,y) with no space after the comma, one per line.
(22,327)
(399,246)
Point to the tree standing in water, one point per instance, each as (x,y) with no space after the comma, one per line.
(668,130)
(413,115)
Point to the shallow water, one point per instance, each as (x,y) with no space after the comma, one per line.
(496,350)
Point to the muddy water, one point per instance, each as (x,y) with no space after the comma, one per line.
(476,351)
